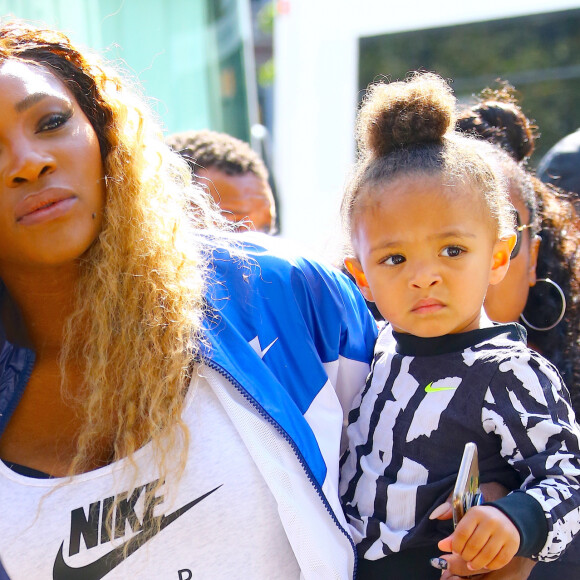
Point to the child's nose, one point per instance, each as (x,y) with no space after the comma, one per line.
(424,277)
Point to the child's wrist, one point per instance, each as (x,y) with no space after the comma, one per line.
(528,517)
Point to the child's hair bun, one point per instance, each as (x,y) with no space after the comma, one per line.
(419,110)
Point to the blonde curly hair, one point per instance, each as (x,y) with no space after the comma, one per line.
(136,328)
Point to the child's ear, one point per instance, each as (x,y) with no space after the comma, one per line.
(355,269)
(501,259)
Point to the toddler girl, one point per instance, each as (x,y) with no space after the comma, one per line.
(431,228)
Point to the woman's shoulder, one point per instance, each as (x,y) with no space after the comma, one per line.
(268,253)
(256,282)
(263,265)
(16,361)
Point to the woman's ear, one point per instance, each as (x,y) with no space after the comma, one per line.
(501,259)
(355,270)
(534,249)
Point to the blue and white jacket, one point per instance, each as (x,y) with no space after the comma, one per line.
(295,339)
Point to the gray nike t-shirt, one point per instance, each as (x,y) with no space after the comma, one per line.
(219,520)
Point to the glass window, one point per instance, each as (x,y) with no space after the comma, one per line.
(538,54)
(188,55)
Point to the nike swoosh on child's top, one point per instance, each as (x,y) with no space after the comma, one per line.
(430,389)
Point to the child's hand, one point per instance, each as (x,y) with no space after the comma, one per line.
(518,569)
(484,538)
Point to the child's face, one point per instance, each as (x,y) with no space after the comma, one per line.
(426,254)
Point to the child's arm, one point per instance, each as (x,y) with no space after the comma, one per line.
(484,538)
(528,407)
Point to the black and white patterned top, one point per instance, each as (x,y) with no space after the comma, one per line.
(423,400)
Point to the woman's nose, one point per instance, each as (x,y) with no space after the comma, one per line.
(25,164)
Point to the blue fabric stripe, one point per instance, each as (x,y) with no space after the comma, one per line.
(316,318)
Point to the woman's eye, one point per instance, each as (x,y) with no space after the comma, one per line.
(394,260)
(53,121)
(452,251)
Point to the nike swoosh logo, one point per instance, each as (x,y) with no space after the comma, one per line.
(430,389)
(255,344)
(101,567)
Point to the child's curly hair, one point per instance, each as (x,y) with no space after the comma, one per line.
(407,128)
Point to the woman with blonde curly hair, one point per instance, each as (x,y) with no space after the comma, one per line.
(154,367)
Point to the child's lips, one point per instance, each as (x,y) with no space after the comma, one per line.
(427,306)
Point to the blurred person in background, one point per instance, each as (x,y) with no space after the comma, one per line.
(235,175)
(560,167)
(550,313)
(503,124)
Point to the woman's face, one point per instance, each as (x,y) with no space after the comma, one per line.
(505,301)
(52,192)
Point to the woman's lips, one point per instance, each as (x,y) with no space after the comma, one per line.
(44,206)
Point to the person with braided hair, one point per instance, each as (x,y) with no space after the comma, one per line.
(542,287)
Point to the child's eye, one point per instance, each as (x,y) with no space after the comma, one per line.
(53,121)
(452,251)
(394,260)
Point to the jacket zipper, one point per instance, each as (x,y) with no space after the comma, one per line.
(216,367)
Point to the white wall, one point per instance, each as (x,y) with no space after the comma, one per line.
(315,47)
